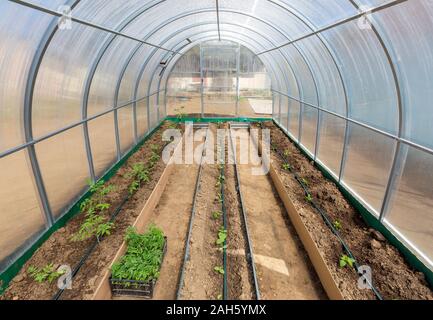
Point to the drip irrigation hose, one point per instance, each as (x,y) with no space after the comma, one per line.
(326,218)
(250,255)
(224,212)
(94,244)
(191,221)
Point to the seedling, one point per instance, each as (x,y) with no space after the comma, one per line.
(220,181)
(337,225)
(180,114)
(220,297)
(219,270)
(143,257)
(286,166)
(220,197)
(304,181)
(47,273)
(222,237)
(346,261)
(216,215)
(94,225)
(309,198)
(139,174)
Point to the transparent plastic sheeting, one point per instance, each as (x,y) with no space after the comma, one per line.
(355,95)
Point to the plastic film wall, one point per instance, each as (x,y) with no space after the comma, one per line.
(83,81)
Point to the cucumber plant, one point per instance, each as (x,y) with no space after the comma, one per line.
(337,225)
(286,166)
(346,261)
(219,269)
(222,237)
(309,198)
(216,215)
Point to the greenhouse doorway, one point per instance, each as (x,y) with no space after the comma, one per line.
(219,79)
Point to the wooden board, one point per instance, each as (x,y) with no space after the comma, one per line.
(310,246)
(103,291)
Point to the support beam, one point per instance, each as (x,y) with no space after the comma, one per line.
(86,23)
(338,23)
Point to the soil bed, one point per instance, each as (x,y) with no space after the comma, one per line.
(283,267)
(392,276)
(59,249)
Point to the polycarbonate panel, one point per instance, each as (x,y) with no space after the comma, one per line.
(18,45)
(161,104)
(58,92)
(276,107)
(331,141)
(410,208)
(142,125)
(320,12)
(309,128)
(103,143)
(153,109)
(294,111)
(406,30)
(129,79)
(324,67)
(367,74)
(20,214)
(64,168)
(50,4)
(284,111)
(268,12)
(368,164)
(126,129)
(107,74)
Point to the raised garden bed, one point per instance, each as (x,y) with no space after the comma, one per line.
(391,275)
(60,249)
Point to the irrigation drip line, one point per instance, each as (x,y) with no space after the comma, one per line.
(191,220)
(95,243)
(224,211)
(326,218)
(250,255)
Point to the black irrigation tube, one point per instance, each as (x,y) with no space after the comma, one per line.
(95,243)
(191,221)
(224,212)
(325,217)
(250,255)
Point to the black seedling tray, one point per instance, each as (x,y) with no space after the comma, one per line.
(132,288)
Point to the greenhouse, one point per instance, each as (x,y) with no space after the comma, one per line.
(216,150)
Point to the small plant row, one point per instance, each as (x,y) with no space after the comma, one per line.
(346,259)
(98,223)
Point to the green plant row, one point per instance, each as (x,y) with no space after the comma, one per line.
(143,258)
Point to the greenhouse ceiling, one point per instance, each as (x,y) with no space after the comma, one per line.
(72,69)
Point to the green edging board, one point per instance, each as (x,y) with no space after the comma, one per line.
(369,218)
(15,268)
(192,119)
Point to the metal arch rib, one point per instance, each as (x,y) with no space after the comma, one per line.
(187,14)
(310,25)
(83,22)
(89,79)
(395,164)
(28,108)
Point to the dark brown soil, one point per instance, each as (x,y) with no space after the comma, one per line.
(392,276)
(60,250)
(283,267)
(240,280)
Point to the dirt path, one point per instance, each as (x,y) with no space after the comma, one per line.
(201,281)
(283,267)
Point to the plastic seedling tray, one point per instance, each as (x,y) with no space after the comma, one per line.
(132,288)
